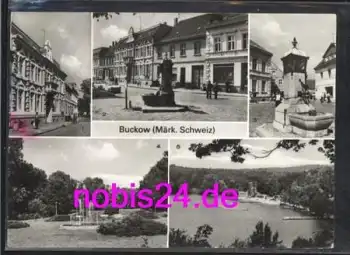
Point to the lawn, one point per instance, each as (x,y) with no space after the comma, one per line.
(43,234)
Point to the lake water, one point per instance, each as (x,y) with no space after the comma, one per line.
(240,222)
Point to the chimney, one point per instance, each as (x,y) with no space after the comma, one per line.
(176,21)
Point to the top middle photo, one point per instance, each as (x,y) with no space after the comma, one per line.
(170,67)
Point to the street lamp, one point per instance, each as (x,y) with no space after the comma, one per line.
(129,63)
(56,207)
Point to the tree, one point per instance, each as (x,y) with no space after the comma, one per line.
(26,182)
(179,238)
(60,190)
(262,237)
(158,174)
(93,184)
(85,102)
(238,151)
(49,103)
(106,15)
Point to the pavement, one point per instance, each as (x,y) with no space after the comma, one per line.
(194,91)
(227,107)
(82,128)
(78,129)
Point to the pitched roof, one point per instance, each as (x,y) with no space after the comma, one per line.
(331,50)
(155,32)
(191,28)
(229,19)
(35,46)
(324,64)
(259,47)
(104,51)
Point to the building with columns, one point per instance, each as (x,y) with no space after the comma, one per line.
(140,46)
(260,71)
(227,51)
(104,63)
(34,75)
(185,45)
(326,73)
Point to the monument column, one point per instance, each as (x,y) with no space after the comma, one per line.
(294,76)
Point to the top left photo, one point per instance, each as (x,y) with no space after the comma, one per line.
(50,74)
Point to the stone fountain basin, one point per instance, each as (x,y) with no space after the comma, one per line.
(72,226)
(319,122)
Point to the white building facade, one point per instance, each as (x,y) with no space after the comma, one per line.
(34,74)
(260,71)
(227,52)
(140,46)
(326,73)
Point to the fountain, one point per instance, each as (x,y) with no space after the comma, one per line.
(82,218)
(164,99)
(296,115)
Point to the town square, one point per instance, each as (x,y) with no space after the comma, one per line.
(292,76)
(194,59)
(50,91)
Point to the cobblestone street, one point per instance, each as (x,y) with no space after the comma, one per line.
(262,113)
(226,108)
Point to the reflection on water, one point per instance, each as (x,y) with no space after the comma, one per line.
(240,222)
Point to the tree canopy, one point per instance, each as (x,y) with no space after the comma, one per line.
(238,150)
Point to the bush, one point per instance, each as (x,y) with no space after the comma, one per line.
(62,217)
(37,206)
(17,224)
(145,214)
(100,92)
(111,211)
(155,84)
(29,216)
(133,226)
(180,238)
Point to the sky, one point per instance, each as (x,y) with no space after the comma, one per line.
(275,32)
(69,35)
(181,156)
(120,161)
(106,31)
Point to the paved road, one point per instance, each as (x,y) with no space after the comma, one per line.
(226,108)
(79,129)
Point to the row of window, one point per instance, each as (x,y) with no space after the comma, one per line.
(230,43)
(263,87)
(146,51)
(330,75)
(255,65)
(36,102)
(138,52)
(27,69)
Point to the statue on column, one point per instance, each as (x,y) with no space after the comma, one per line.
(166,89)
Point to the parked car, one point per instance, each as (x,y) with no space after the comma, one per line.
(115,89)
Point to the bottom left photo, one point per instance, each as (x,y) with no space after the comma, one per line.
(84,193)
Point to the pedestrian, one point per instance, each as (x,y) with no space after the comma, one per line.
(209,89)
(227,85)
(328,98)
(36,121)
(278,99)
(216,90)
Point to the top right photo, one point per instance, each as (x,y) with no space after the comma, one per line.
(292,75)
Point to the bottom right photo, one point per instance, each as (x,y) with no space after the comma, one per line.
(266,193)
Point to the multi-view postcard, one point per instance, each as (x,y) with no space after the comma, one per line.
(185,72)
